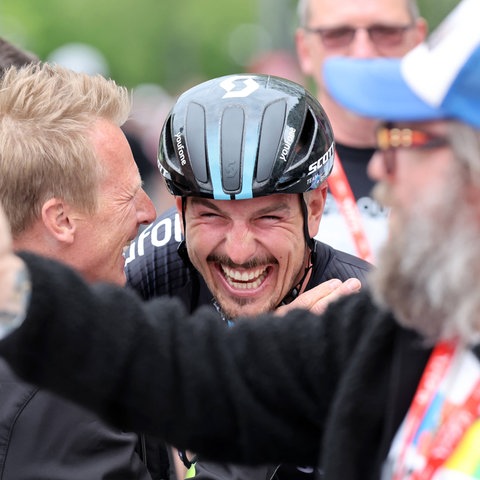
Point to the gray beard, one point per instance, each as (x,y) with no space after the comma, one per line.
(428,271)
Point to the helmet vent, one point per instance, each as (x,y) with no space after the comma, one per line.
(306,139)
(271,143)
(166,154)
(195,138)
(232,148)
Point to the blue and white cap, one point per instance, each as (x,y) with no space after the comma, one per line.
(438,79)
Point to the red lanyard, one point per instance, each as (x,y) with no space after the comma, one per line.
(343,195)
(450,433)
(452,427)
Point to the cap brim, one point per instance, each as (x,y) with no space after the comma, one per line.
(375,88)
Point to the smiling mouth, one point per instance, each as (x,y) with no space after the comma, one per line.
(244,280)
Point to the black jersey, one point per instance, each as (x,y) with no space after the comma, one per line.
(155,267)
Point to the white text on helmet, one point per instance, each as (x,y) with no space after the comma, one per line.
(290,136)
(180,148)
(313,167)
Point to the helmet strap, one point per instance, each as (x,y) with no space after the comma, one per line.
(312,246)
(183,254)
(308,239)
(182,247)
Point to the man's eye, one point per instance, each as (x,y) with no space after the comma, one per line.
(270,217)
(209,214)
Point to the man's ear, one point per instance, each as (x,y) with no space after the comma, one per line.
(178,204)
(315,203)
(57,218)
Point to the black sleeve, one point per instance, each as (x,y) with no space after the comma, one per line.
(237,394)
(222,471)
(43,436)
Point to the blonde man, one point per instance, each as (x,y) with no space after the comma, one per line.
(71,191)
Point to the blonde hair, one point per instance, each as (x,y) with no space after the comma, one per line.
(46,115)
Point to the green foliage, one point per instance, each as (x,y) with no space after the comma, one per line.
(172,43)
(162,41)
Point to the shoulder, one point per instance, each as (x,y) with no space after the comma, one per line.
(15,395)
(161,238)
(332,263)
(152,265)
(50,431)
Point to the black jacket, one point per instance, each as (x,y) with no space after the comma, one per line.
(339,385)
(44,437)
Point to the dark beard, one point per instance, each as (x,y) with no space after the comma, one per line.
(428,270)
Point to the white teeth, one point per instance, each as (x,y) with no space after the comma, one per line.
(244,280)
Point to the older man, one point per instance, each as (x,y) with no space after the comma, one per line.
(71,191)
(353,220)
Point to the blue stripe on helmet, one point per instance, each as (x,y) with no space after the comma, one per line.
(213,153)
(249,157)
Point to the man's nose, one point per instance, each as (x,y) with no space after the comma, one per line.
(145,209)
(362,45)
(240,243)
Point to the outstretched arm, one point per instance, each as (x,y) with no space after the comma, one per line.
(149,367)
(236,394)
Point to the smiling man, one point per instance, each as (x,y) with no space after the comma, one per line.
(247,157)
(72,192)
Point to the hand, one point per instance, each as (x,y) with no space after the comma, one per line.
(14,280)
(317,299)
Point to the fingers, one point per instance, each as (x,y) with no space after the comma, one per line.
(348,287)
(317,299)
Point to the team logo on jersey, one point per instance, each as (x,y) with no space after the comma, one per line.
(239,86)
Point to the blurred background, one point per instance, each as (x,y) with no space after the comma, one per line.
(167,42)
(158,48)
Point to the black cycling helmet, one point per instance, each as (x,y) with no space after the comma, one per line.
(244,136)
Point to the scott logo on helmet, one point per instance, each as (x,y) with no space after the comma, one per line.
(313,167)
(247,86)
(180,148)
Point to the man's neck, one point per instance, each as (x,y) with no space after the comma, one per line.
(349,129)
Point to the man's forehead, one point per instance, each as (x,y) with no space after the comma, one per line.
(275,202)
(334,11)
